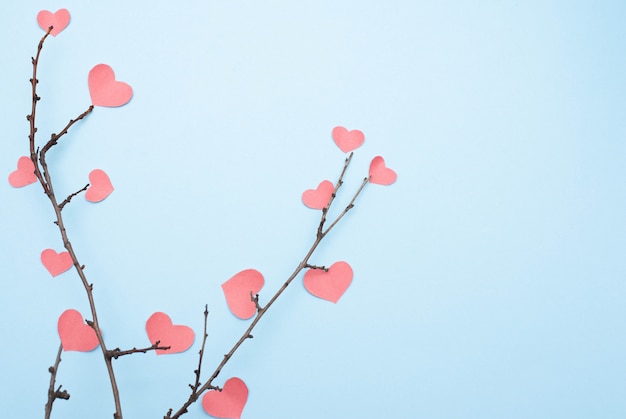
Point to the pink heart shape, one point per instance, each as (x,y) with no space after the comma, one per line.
(56,263)
(320,197)
(101,186)
(329,285)
(58,20)
(179,338)
(75,334)
(381,174)
(237,292)
(105,90)
(229,402)
(25,173)
(348,140)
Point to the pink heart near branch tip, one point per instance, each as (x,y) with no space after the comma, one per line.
(347,140)
(229,402)
(58,20)
(159,328)
(25,173)
(329,285)
(237,292)
(75,334)
(105,90)
(56,263)
(100,186)
(320,197)
(381,174)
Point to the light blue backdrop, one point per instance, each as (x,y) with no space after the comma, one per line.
(489,280)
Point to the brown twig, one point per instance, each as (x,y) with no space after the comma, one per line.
(261,311)
(52,393)
(117,352)
(72,195)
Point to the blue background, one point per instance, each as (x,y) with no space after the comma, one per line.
(489,280)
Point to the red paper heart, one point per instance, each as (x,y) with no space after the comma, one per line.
(25,173)
(318,198)
(75,334)
(100,188)
(237,292)
(229,402)
(381,174)
(348,140)
(58,20)
(105,90)
(329,285)
(56,263)
(178,337)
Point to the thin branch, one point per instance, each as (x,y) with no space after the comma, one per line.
(334,194)
(323,268)
(54,138)
(117,352)
(261,311)
(52,393)
(69,198)
(198,371)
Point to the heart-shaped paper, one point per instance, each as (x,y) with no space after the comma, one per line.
(58,20)
(75,334)
(25,173)
(381,174)
(105,90)
(56,263)
(100,188)
(178,337)
(329,285)
(229,402)
(347,140)
(318,198)
(237,292)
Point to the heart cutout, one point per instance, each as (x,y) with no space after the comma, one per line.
(229,402)
(58,20)
(381,174)
(101,186)
(320,197)
(179,338)
(105,90)
(347,140)
(56,263)
(329,285)
(237,292)
(75,334)
(25,173)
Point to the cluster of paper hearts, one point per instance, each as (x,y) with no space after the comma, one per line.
(179,338)
(229,402)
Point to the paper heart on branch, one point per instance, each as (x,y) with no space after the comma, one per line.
(320,197)
(347,140)
(100,186)
(105,90)
(237,292)
(56,263)
(58,20)
(381,174)
(25,173)
(329,285)
(75,334)
(179,338)
(229,402)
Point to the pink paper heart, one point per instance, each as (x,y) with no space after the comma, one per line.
(330,285)
(25,173)
(179,338)
(229,402)
(318,198)
(381,174)
(347,140)
(58,20)
(237,292)
(105,90)
(56,263)
(75,334)
(101,186)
